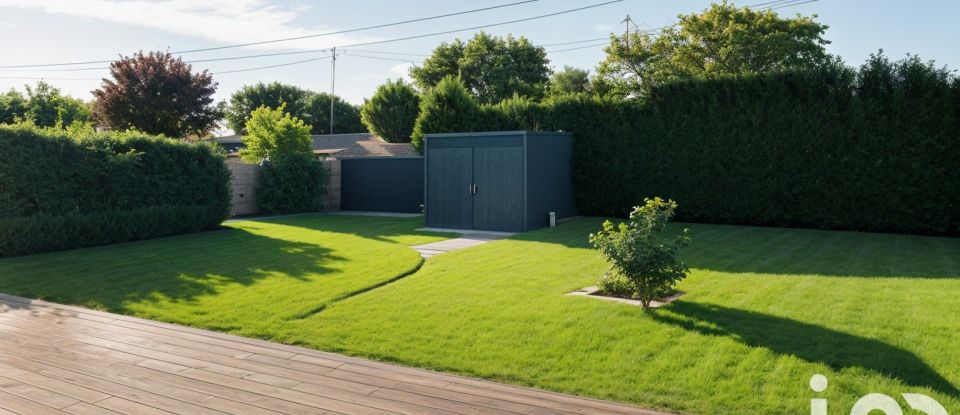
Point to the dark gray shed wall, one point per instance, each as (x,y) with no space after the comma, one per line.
(381,184)
(549,181)
(521,176)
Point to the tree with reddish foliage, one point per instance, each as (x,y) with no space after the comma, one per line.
(157,94)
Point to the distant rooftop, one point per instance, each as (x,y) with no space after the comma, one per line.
(339,145)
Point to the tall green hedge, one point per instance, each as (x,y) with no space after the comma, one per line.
(874,149)
(61,190)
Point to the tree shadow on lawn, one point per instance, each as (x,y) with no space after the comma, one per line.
(809,342)
(180,268)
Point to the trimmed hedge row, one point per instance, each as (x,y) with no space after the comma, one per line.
(875,150)
(67,190)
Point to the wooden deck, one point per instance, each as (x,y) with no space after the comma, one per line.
(57,359)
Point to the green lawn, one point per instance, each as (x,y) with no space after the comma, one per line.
(251,278)
(765,308)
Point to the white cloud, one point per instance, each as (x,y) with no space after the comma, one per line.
(223,21)
(11,25)
(402,70)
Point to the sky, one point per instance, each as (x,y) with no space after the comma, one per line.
(66,31)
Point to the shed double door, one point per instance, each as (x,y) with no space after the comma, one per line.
(476,188)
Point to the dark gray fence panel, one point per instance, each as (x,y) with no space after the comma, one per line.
(381,184)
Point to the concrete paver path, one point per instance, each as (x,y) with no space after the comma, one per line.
(466,240)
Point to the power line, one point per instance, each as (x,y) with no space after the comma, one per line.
(386,53)
(779,4)
(262,55)
(376,42)
(769,3)
(99,68)
(378,57)
(48,79)
(793,4)
(270,66)
(578,48)
(526,19)
(379,26)
(574,42)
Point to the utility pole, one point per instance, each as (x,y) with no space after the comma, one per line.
(626,32)
(333,82)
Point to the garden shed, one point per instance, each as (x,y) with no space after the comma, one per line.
(497,181)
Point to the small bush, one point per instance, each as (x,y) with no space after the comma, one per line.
(613,284)
(635,251)
(294,183)
(392,111)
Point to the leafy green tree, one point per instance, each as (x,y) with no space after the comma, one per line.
(392,110)
(250,97)
(346,116)
(312,107)
(637,253)
(569,81)
(443,62)
(157,94)
(447,107)
(274,134)
(46,106)
(492,68)
(723,39)
(292,180)
(13,107)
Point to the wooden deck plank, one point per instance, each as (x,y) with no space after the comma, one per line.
(16,404)
(33,393)
(77,392)
(180,388)
(84,408)
(58,359)
(129,407)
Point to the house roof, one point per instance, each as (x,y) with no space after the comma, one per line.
(342,145)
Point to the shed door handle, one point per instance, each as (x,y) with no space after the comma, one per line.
(472,189)
(475,189)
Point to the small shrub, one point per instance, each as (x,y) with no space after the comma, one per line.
(613,284)
(291,184)
(636,252)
